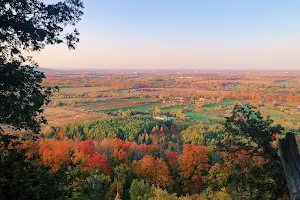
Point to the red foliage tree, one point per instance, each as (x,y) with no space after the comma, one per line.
(172,157)
(87,158)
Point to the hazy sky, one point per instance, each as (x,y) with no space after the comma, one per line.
(181,34)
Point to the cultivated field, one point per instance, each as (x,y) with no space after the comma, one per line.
(148,93)
(61,116)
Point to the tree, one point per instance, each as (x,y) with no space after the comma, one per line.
(247,148)
(154,171)
(22,96)
(199,105)
(87,158)
(193,165)
(20,179)
(139,190)
(30,25)
(180,114)
(56,153)
(156,111)
(160,194)
(117,197)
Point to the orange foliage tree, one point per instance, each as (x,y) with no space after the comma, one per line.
(193,165)
(55,153)
(154,171)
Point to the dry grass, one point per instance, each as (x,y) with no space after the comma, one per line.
(62,116)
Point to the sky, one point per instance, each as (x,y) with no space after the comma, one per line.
(183,34)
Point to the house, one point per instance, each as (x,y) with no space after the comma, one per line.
(145,89)
(181,100)
(168,101)
(178,98)
(172,118)
(228,85)
(133,90)
(161,117)
(198,100)
(164,117)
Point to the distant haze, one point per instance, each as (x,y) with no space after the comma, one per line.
(171,34)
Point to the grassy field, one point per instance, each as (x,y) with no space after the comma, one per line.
(149,107)
(200,116)
(144,107)
(172,107)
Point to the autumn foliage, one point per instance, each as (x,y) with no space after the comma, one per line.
(86,156)
(154,171)
(57,154)
(193,166)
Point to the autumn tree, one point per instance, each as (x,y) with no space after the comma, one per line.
(172,161)
(193,166)
(55,153)
(86,157)
(154,171)
(156,111)
(199,105)
(180,114)
(21,179)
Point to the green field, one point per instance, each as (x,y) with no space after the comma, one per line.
(275,113)
(174,107)
(150,107)
(147,107)
(143,107)
(200,116)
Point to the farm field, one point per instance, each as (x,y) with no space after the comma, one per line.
(144,107)
(83,89)
(212,112)
(61,116)
(219,91)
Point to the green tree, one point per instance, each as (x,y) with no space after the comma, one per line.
(160,194)
(22,96)
(251,136)
(139,190)
(30,25)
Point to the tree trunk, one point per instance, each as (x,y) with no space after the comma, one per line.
(291,162)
